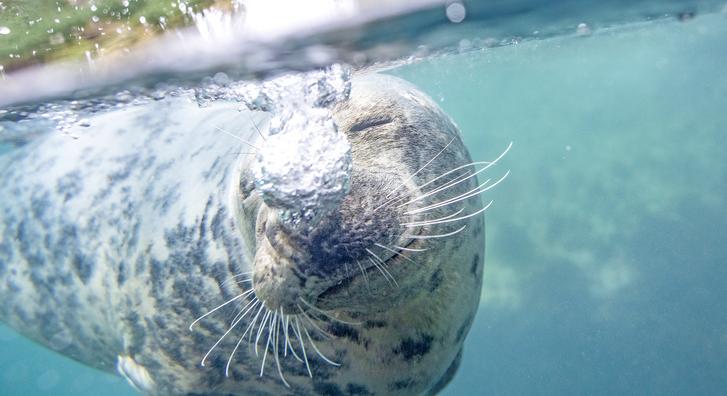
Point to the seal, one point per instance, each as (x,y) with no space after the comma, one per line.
(119,242)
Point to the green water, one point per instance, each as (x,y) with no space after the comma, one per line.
(606,269)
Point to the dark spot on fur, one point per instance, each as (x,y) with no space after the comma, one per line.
(83,266)
(436,280)
(448,375)
(39,206)
(475,264)
(69,185)
(374,324)
(402,384)
(410,348)
(343,330)
(479,228)
(138,332)
(121,276)
(357,389)
(327,388)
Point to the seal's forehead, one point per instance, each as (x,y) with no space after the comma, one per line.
(378,99)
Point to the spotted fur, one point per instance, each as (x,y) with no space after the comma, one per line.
(119,239)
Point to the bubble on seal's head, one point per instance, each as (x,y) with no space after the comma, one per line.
(305,169)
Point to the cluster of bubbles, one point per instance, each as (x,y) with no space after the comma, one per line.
(18,124)
(303,165)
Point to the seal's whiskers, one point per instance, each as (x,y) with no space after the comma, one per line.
(260,329)
(456,179)
(239,341)
(326,314)
(446,220)
(240,275)
(449,216)
(238,138)
(381,266)
(313,344)
(252,324)
(254,124)
(232,327)
(469,194)
(243,311)
(405,249)
(239,296)
(396,253)
(414,174)
(457,231)
(288,344)
(267,343)
(324,333)
(385,274)
(302,345)
(365,276)
(276,329)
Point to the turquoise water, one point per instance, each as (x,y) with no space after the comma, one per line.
(606,269)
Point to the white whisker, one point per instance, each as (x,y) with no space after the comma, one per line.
(449,216)
(233,278)
(267,343)
(436,235)
(451,183)
(313,344)
(232,327)
(420,169)
(257,129)
(363,272)
(306,316)
(238,138)
(489,164)
(409,249)
(287,340)
(383,264)
(275,347)
(242,337)
(426,223)
(239,296)
(395,252)
(313,307)
(383,272)
(254,320)
(302,345)
(474,192)
(244,312)
(260,329)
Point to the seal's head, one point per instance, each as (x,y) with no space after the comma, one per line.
(347,213)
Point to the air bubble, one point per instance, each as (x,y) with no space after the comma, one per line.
(456,12)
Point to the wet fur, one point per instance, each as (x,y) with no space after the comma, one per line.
(123,237)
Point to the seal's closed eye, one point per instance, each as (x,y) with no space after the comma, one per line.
(375,120)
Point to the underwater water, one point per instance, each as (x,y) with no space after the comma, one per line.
(606,261)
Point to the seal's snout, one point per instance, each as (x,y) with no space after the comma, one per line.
(278,279)
(295,264)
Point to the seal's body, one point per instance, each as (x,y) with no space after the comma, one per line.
(113,243)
